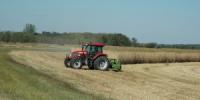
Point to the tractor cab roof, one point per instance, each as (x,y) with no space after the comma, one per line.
(94,44)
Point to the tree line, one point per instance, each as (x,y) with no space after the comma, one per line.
(29,35)
(114,39)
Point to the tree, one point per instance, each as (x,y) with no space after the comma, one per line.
(29,28)
(1,35)
(134,41)
(6,36)
(151,45)
(104,39)
(118,40)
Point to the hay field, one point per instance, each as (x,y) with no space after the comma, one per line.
(128,55)
(176,81)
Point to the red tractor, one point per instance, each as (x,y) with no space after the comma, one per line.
(91,55)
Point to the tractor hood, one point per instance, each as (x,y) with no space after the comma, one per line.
(77,52)
(80,51)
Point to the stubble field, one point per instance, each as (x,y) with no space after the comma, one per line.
(161,81)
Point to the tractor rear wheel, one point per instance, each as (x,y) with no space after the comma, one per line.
(76,63)
(101,63)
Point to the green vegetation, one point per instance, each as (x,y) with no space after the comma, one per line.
(117,39)
(29,28)
(29,35)
(19,82)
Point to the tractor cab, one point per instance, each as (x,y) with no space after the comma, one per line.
(93,48)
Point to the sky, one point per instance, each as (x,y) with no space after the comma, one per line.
(161,21)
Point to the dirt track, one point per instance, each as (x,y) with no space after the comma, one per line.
(179,81)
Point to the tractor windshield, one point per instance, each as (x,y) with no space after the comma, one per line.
(93,49)
(86,48)
(83,47)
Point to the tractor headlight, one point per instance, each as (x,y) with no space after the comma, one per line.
(74,54)
(77,54)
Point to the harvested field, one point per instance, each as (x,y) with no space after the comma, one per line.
(176,81)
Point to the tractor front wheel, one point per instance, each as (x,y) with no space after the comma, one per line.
(101,63)
(67,63)
(76,63)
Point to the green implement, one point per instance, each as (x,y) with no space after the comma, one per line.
(115,65)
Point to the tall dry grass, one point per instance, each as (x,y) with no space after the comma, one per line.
(157,57)
(130,55)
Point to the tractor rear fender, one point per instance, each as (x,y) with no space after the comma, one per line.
(98,55)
